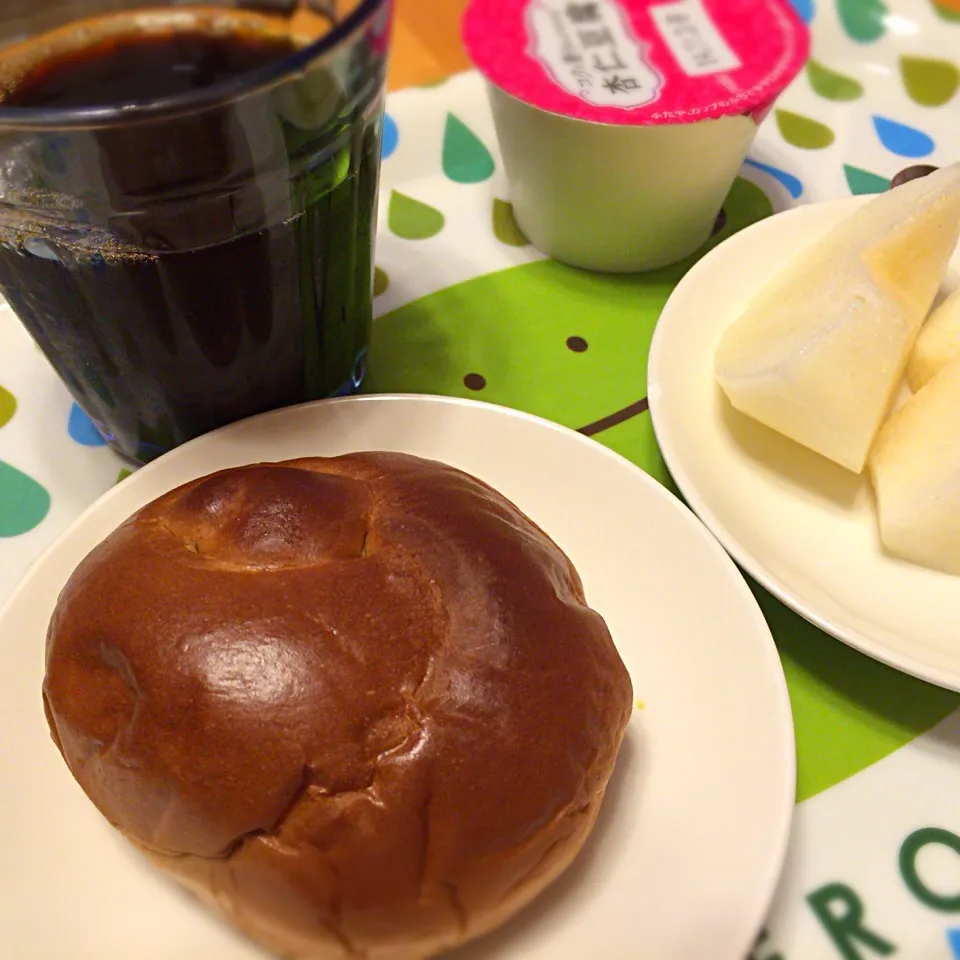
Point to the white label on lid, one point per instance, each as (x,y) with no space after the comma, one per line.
(693,38)
(588,48)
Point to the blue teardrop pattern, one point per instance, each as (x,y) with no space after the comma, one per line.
(81,429)
(391,136)
(953,939)
(787,180)
(902,140)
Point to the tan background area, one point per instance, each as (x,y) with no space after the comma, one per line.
(426,41)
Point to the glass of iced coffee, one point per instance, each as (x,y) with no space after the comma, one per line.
(188,201)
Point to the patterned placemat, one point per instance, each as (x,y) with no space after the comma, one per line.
(467,307)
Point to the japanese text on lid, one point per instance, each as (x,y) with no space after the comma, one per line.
(589,48)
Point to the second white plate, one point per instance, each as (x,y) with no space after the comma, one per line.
(803,527)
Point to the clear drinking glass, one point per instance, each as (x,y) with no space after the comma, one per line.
(189,259)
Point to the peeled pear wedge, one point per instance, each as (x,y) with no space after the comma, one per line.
(938,343)
(820,352)
(915,471)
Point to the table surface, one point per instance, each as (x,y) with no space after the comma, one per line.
(426,41)
(873,868)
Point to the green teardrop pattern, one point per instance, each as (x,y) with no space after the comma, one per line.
(950,14)
(123,474)
(23,502)
(505,226)
(411,219)
(930,82)
(802,132)
(863,182)
(832,85)
(8,406)
(380,281)
(863,20)
(465,157)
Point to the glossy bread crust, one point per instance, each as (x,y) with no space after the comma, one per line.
(357,704)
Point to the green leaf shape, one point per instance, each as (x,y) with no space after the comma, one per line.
(863,182)
(863,20)
(465,157)
(832,85)
(412,220)
(380,281)
(123,474)
(929,81)
(8,406)
(950,14)
(505,226)
(849,711)
(802,132)
(23,502)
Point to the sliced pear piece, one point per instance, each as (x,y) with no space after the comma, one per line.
(915,470)
(938,343)
(820,352)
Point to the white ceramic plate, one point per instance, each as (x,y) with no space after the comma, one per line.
(690,843)
(802,526)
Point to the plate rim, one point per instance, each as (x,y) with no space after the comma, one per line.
(767,880)
(743,557)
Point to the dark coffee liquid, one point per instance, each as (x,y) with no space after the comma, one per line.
(219,263)
(132,68)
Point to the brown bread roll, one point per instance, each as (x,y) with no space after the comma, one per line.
(358,705)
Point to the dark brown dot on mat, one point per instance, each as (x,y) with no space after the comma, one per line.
(912,173)
(474,381)
(720,222)
(577,344)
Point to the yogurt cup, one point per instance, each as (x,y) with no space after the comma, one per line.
(623,123)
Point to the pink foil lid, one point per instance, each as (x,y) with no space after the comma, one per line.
(639,62)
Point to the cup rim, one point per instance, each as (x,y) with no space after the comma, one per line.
(644,124)
(226,91)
